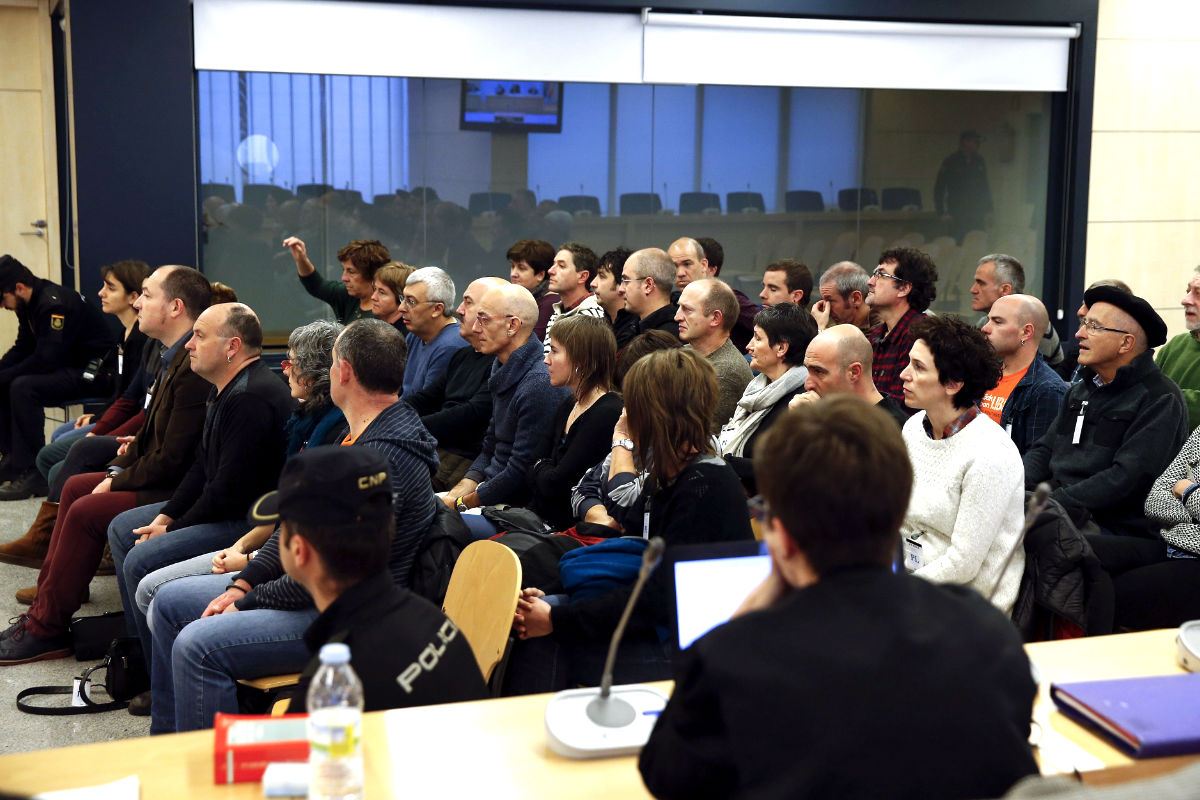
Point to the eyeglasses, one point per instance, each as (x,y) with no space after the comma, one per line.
(286,364)
(759,509)
(411,302)
(484,319)
(1095,327)
(879,273)
(625,280)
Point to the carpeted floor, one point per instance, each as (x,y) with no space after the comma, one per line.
(33,732)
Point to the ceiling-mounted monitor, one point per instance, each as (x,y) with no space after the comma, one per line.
(514,106)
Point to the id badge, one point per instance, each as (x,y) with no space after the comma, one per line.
(912,554)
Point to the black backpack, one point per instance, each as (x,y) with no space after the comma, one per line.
(446,538)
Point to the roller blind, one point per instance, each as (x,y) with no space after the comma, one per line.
(321,36)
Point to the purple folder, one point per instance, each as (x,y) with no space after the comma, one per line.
(1148,717)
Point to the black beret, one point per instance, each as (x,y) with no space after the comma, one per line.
(1134,306)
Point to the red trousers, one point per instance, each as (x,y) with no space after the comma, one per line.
(80,533)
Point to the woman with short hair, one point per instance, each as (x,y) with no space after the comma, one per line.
(388,294)
(964,521)
(781,336)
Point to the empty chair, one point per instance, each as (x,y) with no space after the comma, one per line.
(577,203)
(221,190)
(974,245)
(803,200)
(640,203)
(842,249)
(480,202)
(868,252)
(897,198)
(481,598)
(744,201)
(698,202)
(857,198)
(306,190)
(256,194)
(348,196)
(813,251)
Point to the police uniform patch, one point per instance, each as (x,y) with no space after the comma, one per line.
(56,322)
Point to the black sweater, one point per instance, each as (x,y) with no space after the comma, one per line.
(457,407)
(241,450)
(573,453)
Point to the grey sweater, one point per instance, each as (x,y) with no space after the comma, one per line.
(733,373)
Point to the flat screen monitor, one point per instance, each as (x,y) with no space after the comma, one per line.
(514,106)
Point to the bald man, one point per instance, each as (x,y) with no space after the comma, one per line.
(707,312)
(1029,394)
(1119,426)
(522,401)
(838,361)
(457,406)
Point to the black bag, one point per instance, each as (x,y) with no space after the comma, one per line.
(434,561)
(92,635)
(511,519)
(125,677)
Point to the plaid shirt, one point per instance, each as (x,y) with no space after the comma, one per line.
(956,424)
(891,355)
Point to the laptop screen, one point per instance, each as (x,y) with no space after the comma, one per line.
(711,581)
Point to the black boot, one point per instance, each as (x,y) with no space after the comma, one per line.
(29,483)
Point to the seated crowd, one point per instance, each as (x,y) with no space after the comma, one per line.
(597,402)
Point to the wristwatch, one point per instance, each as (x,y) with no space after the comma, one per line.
(626,443)
(460,506)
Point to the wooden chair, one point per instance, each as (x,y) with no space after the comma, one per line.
(481,600)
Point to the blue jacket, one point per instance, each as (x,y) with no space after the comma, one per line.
(523,403)
(1033,404)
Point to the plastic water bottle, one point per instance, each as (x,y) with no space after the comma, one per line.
(335,704)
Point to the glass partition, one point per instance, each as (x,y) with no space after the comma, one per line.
(822,175)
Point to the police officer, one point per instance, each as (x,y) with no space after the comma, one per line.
(65,350)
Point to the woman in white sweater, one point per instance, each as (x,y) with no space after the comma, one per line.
(964,521)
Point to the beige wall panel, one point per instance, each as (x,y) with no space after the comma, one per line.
(1149,19)
(1154,258)
(20,61)
(1144,176)
(1147,86)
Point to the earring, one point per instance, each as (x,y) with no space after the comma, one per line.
(228,359)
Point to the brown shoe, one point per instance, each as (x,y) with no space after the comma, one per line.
(27,595)
(106,563)
(30,550)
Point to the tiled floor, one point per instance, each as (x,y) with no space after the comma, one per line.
(22,731)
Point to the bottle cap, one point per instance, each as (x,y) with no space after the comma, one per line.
(336,653)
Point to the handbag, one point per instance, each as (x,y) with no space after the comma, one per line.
(91,636)
(125,677)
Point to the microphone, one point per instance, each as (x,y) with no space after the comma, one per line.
(1037,504)
(609,721)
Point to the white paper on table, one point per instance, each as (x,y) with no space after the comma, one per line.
(122,789)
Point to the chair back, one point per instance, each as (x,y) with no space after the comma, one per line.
(482,598)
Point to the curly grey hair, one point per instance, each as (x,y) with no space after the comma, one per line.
(311,346)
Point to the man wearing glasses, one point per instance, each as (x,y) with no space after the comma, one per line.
(899,291)
(1119,425)
(432,329)
(646,282)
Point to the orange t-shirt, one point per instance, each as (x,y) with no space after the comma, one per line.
(994,400)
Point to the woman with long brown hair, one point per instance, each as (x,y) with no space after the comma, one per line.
(691,496)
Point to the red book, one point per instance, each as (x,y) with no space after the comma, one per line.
(246,743)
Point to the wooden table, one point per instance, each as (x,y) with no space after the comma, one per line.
(497,748)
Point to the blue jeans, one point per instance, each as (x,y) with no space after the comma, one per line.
(133,563)
(68,431)
(198,661)
(148,588)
